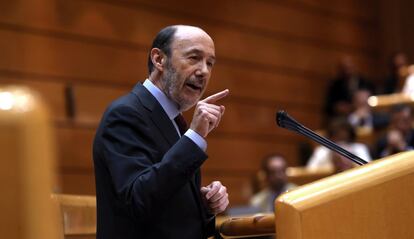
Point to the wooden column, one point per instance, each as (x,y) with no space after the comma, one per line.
(27,172)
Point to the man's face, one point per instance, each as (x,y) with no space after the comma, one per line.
(188,69)
(276,173)
(402,120)
(360,98)
(400,60)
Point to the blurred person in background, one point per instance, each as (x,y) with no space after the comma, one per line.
(408,74)
(395,80)
(342,133)
(339,94)
(274,167)
(363,118)
(400,135)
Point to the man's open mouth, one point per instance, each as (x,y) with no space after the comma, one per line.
(194,86)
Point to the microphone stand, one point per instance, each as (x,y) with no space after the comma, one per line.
(287,122)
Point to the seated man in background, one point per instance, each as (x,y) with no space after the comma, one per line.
(408,74)
(274,167)
(395,80)
(338,101)
(342,133)
(400,136)
(362,116)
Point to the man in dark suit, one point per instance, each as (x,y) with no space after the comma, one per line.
(399,136)
(341,89)
(147,165)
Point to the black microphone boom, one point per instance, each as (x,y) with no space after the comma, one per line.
(285,121)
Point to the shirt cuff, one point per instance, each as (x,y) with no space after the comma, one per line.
(197,139)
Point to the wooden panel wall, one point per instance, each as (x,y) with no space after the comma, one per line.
(407,33)
(397,28)
(271,55)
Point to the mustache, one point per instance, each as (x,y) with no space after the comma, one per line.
(198,81)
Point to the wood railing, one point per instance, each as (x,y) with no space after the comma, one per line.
(257,225)
(78,215)
(303,175)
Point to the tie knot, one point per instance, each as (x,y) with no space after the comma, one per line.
(181,123)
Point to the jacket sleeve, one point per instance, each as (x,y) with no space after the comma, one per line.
(145,175)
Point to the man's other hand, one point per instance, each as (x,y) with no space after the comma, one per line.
(216,197)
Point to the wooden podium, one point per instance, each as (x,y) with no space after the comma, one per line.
(374,201)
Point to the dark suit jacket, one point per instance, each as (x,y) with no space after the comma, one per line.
(147,177)
(382,144)
(338,91)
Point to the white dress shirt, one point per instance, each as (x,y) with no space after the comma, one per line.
(322,156)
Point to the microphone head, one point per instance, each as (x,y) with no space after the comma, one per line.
(280,118)
(284,120)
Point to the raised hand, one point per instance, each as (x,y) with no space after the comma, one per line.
(207,114)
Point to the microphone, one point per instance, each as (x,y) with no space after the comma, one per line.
(285,121)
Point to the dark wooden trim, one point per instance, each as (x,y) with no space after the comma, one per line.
(144,48)
(285,138)
(279,35)
(354,18)
(81,81)
(62,79)
(74,37)
(243,28)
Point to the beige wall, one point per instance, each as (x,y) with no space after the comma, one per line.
(271,55)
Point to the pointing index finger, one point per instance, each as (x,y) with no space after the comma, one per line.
(216,96)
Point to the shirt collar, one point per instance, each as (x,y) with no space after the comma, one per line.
(169,106)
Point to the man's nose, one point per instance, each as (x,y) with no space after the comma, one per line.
(203,69)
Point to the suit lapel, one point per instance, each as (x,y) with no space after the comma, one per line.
(164,124)
(158,115)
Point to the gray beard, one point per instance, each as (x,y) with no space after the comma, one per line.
(171,88)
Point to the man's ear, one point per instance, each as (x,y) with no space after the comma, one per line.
(158,59)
